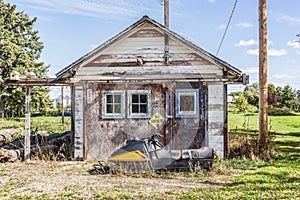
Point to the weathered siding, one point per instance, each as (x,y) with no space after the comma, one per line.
(147,44)
(79,123)
(216,116)
(105,135)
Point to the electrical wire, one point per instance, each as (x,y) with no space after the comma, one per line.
(160,2)
(233,9)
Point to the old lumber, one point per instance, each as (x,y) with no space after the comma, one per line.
(41,146)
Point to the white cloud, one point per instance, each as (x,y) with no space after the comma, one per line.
(247,42)
(284,18)
(283,76)
(244,25)
(295,44)
(253,52)
(251,70)
(274,52)
(271,52)
(92,8)
(211,1)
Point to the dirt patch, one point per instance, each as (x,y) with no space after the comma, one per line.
(71,179)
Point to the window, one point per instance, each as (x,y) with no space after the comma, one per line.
(187,103)
(113,104)
(139,103)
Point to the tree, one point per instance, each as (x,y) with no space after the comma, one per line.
(288,98)
(272,98)
(20,50)
(241,102)
(251,94)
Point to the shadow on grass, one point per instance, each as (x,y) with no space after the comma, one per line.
(294,134)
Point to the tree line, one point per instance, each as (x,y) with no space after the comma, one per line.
(279,98)
(20,50)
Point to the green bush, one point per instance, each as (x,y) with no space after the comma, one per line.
(275,111)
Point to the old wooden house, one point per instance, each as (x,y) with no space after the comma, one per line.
(148,79)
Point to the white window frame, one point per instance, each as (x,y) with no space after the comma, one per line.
(106,115)
(187,114)
(129,104)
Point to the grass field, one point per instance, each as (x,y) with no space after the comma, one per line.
(43,123)
(229,179)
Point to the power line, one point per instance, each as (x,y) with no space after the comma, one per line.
(160,2)
(227,27)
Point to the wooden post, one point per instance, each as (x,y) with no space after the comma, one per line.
(62,105)
(263,77)
(27,125)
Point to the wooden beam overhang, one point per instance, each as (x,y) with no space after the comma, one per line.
(37,82)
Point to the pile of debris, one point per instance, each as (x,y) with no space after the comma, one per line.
(43,146)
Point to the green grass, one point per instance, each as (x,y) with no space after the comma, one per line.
(44,123)
(284,130)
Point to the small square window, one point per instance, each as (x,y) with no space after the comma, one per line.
(187,103)
(113,104)
(139,103)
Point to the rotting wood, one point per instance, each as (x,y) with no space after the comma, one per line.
(44,146)
(37,82)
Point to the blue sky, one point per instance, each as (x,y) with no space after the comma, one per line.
(71,28)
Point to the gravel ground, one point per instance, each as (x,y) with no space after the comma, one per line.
(72,180)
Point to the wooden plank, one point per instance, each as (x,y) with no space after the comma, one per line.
(146,33)
(216,117)
(37,82)
(202,69)
(79,134)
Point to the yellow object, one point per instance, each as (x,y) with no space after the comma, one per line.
(130,156)
(157,120)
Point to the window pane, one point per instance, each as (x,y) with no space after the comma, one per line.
(109,108)
(135,109)
(109,98)
(187,102)
(143,98)
(143,108)
(117,98)
(135,98)
(117,108)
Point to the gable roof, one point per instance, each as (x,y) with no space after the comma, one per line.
(145,19)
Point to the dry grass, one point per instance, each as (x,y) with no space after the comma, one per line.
(68,180)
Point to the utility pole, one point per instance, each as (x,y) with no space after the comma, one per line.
(166,21)
(263,77)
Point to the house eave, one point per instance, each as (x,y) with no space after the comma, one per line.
(68,71)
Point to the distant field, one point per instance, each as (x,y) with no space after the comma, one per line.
(43,123)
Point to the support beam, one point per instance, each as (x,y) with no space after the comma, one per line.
(27,125)
(62,106)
